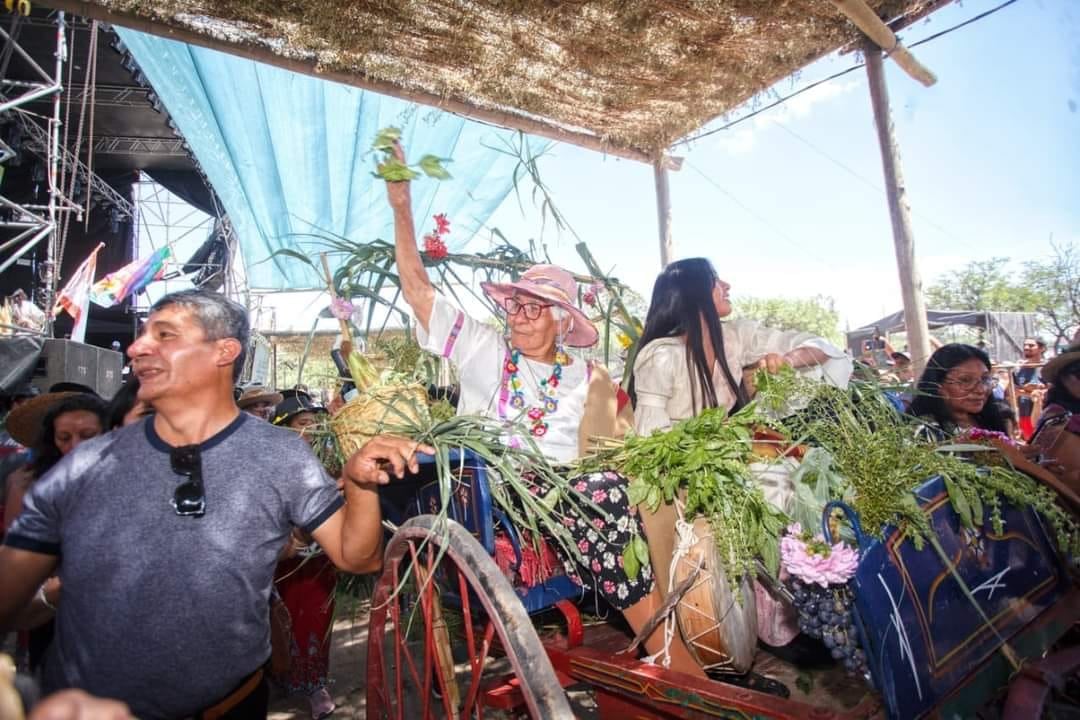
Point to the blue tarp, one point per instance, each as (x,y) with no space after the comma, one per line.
(289,154)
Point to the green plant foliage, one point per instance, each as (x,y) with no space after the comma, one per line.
(704,461)
(816,315)
(875,452)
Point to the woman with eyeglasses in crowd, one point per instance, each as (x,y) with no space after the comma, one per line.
(954,393)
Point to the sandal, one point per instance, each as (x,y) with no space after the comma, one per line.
(322,705)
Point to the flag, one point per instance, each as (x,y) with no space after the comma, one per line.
(130,279)
(75,297)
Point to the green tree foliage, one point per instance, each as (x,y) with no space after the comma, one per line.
(815,315)
(981,285)
(1049,287)
(1055,282)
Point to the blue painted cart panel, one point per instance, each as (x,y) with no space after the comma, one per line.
(922,633)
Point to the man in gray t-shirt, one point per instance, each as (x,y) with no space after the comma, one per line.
(165,533)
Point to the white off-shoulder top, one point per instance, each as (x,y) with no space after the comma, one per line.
(665,388)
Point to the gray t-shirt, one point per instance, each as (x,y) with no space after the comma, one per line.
(164,612)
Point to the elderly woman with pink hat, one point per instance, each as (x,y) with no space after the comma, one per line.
(527,376)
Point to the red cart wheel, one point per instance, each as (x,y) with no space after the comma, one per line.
(410,669)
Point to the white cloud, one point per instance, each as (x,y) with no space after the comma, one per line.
(742,138)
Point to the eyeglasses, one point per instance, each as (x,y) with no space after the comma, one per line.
(189,500)
(970,382)
(532,309)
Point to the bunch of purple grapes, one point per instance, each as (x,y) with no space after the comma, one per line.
(827,614)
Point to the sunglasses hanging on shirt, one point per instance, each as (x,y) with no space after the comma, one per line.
(189,499)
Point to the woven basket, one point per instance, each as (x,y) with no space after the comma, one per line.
(388,408)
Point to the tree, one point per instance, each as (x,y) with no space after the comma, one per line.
(981,285)
(1055,284)
(815,315)
(1050,288)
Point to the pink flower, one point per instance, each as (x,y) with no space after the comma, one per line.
(442,224)
(589,299)
(434,247)
(599,496)
(341,308)
(814,561)
(598,523)
(581,486)
(583,545)
(596,566)
(609,587)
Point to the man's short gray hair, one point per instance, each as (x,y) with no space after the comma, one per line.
(219,317)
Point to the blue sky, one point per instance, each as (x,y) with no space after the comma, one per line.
(789,203)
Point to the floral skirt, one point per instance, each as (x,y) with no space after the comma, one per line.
(600,540)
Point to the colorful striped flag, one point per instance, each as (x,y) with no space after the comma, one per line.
(130,279)
(75,297)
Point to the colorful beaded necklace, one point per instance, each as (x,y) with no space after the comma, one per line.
(548,387)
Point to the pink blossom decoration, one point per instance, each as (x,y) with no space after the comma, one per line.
(976,434)
(812,560)
(341,308)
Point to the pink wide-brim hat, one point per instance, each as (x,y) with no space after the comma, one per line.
(555,285)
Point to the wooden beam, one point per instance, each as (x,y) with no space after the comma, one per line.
(864,18)
(918,332)
(263,54)
(903,22)
(663,213)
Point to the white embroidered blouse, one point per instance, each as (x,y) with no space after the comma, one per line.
(479,352)
(665,388)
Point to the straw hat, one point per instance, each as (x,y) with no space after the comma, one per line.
(1059,363)
(26,421)
(557,286)
(258,394)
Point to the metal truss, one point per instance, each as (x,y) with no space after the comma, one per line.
(118,145)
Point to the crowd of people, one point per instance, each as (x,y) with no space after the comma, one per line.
(148,540)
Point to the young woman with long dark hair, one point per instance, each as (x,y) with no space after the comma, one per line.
(690,359)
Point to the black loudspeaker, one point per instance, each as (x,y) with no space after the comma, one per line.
(69,361)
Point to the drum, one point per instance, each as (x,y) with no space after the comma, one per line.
(718,622)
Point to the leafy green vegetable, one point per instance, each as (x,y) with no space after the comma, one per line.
(386,138)
(433,167)
(705,462)
(393,170)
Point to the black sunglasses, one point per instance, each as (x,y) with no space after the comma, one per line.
(189,500)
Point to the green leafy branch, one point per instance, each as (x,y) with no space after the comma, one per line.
(391,169)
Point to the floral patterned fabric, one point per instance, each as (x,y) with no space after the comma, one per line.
(601,542)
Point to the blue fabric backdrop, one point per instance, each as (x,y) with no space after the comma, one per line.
(289,153)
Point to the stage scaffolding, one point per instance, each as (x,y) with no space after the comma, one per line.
(37,223)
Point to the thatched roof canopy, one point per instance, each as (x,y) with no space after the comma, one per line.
(632,76)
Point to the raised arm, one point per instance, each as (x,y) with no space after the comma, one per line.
(352,537)
(415,284)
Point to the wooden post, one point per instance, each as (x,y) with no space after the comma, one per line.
(663,211)
(918,333)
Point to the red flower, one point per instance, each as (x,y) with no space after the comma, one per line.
(434,247)
(442,224)
(590,299)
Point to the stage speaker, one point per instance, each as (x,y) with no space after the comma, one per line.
(69,361)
